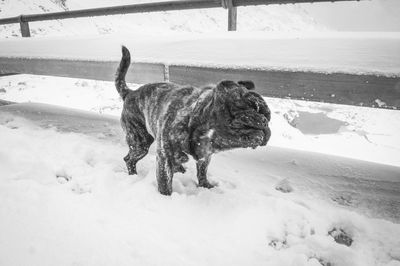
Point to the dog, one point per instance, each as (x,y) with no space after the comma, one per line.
(184,120)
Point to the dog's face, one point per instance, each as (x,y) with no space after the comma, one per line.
(241,116)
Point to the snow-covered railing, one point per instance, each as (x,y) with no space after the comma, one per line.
(230,5)
(369,90)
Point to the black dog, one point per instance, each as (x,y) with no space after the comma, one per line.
(189,121)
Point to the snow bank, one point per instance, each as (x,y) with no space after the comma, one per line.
(361,53)
(67,200)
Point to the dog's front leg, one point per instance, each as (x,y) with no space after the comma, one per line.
(202,166)
(164,173)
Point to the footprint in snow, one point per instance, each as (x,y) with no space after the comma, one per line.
(321,261)
(79,189)
(284,186)
(343,199)
(62,176)
(9,122)
(225,184)
(278,244)
(341,237)
(185,186)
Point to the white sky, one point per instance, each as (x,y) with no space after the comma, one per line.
(367,15)
(363,15)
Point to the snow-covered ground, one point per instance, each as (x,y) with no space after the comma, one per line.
(66,198)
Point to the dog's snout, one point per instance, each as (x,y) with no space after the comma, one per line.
(264,121)
(267,136)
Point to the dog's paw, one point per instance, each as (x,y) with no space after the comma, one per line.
(132,170)
(179,169)
(206,184)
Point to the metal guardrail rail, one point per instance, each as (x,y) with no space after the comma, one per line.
(339,88)
(231,5)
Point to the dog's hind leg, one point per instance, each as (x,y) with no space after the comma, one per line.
(164,173)
(202,166)
(139,143)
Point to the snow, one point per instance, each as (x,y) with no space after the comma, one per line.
(349,131)
(67,200)
(380,103)
(357,53)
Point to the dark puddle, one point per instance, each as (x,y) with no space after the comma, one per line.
(317,123)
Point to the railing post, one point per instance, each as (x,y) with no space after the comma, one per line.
(232,18)
(166,73)
(232,14)
(25,32)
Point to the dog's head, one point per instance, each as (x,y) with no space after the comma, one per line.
(241,116)
(233,116)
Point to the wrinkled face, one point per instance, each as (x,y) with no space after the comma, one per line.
(245,115)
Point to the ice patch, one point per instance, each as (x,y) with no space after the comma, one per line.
(317,123)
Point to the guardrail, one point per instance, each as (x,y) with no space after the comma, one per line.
(230,5)
(339,88)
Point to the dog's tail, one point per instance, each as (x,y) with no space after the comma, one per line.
(120,83)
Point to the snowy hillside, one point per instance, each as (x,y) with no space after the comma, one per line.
(271,18)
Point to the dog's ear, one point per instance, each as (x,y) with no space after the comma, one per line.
(226,85)
(228,89)
(248,84)
(229,97)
